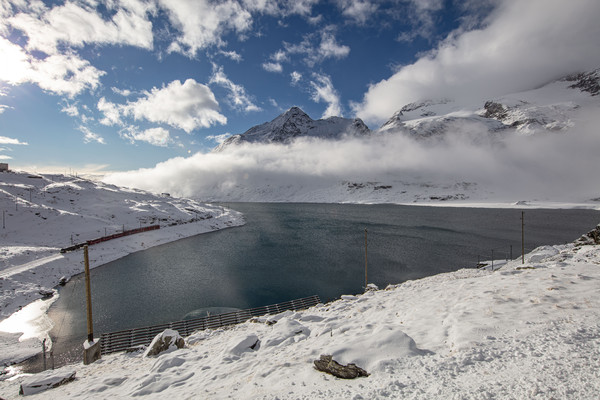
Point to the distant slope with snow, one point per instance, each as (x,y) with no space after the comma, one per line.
(43,213)
(548,108)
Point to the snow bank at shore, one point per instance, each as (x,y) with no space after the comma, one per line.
(527,330)
(44,213)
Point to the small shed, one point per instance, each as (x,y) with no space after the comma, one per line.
(3,167)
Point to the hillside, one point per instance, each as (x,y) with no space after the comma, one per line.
(549,108)
(45,213)
(523,331)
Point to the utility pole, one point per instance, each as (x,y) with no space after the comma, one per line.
(522,237)
(91,347)
(44,352)
(366,260)
(88,294)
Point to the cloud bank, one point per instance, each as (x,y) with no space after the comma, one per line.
(509,167)
(522,44)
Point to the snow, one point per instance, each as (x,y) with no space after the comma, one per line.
(43,214)
(527,330)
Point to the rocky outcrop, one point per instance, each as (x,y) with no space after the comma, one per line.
(590,238)
(586,82)
(494,110)
(167,340)
(327,364)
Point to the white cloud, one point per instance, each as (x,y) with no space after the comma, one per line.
(524,44)
(202,23)
(7,140)
(540,166)
(238,97)
(122,92)
(281,8)
(90,136)
(64,74)
(186,106)
(218,138)
(328,47)
(296,76)
(3,107)
(323,90)
(71,110)
(233,55)
(111,111)
(5,157)
(15,63)
(279,56)
(358,10)
(272,67)
(155,136)
(78,24)
(421,16)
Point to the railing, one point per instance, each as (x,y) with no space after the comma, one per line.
(110,237)
(134,338)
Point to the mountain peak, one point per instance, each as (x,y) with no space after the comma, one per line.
(296,123)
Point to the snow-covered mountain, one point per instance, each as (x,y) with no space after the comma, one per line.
(44,213)
(548,108)
(296,123)
(496,149)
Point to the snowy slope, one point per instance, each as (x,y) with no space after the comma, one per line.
(296,123)
(525,331)
(548,108)
(43,214)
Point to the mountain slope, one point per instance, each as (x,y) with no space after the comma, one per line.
(548,108)
(46,213)
(296,123)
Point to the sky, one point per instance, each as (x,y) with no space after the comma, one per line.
(119,85)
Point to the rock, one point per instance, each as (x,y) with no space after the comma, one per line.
(371,287)
(592,237)
(494,110)
(330,366)
(167,340)
(44,381)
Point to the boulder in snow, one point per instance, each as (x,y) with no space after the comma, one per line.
(590,238)
(167,340)
(44,381)
(327,364)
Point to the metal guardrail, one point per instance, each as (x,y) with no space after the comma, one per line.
(134,338)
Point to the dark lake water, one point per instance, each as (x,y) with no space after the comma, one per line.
(288,251)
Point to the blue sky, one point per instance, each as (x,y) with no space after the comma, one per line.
(110,86)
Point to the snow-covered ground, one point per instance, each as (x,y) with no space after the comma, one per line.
(524,331)
(42,214)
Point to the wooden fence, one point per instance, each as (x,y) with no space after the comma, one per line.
(134,338)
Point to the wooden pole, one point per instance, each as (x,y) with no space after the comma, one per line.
(88,293)
(522,237)
(366,260)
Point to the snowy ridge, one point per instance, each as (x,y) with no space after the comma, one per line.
(524,331)
(296,123)
(549,108)
(46,213)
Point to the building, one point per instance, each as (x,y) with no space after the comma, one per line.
(3,167)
